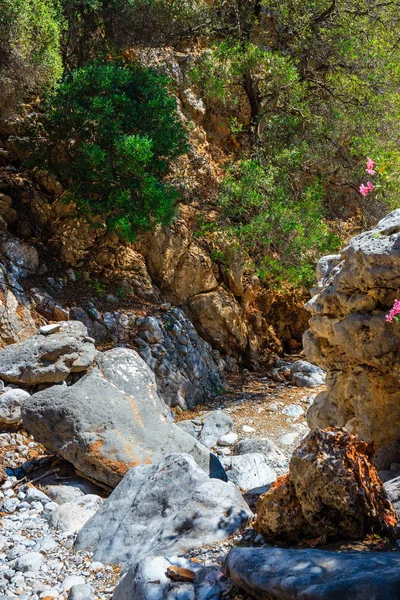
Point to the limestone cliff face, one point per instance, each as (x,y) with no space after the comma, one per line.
(227,305)
(350,338)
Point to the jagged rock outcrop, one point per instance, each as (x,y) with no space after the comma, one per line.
(284,574)
(164,508)
(184,365)
(332,490)
(17,261)
(350,338)
(48,357)
(112,419)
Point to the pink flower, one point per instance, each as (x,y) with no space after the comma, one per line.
(366,189)
(370,166)
(394,311)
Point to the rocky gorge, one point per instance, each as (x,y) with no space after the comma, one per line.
(112,489)
(173,424)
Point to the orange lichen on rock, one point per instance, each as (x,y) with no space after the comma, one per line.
(332,490)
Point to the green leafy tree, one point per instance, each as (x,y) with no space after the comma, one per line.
(112,129)
(30,59)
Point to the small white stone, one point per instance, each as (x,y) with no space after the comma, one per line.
(228,439)
(48,329)
(248,429)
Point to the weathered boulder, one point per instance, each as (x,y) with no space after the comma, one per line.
(304,374)
(10,406)
(275,458)
(284,574)
(182,361)
(164,508)
(112,419)
(48,358)
(332,490)
(208,428)
(162,578)
(248,471)
(350,338)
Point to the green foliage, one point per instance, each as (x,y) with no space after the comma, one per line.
(112,129)
(30,59)
(283,236)
(98,288)
(320,79)
(155,22)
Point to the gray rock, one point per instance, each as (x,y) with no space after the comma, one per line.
(293,410)
(70,581)
(392,488)
(185,369)
(326,264)
(32,561)
(10,406)
(248,471)
(208,428)
(81,591)
(305,374)
(77,423)
(274,456)
(35,495)
(70,490)
(72,516)
(24,259)
(163,509)
(281,574)
(50,358)
(148,580)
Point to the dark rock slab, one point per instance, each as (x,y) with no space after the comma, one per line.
(282,574)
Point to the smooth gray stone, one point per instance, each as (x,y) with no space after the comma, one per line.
(81,591)
(163,509)
(281,574)
(10,406)
(305,374)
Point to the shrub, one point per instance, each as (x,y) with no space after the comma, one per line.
(30,58)
(112,129)
(283,236)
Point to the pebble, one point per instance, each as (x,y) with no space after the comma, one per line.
(248,429)
(35,561)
